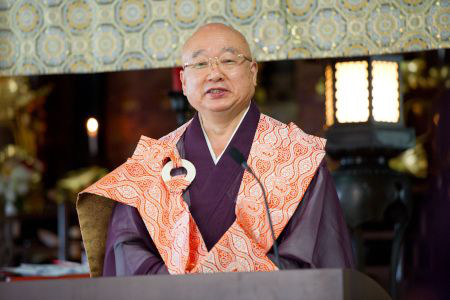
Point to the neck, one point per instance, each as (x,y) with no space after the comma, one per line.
(220,128)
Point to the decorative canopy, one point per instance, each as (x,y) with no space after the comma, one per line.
(86,36)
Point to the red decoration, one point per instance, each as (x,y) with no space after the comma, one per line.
(176,82)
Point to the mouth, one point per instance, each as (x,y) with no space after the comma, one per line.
(216,91)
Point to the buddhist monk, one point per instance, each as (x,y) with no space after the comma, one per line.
(182,205)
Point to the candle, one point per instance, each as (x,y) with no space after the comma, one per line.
(92,131)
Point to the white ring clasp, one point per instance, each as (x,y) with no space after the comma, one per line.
(165,172)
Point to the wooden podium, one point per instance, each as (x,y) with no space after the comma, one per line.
(289,284)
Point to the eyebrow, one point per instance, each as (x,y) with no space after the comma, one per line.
(197,53)
(229,49)
(224,49)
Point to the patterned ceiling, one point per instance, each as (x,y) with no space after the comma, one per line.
(81,36)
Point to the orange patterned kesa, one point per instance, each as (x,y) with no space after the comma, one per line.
(282,156)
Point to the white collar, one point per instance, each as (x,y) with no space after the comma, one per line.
(211,151)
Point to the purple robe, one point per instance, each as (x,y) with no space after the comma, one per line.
(316,236)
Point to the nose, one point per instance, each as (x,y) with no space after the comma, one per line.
(215,73)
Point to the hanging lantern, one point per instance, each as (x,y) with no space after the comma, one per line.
(364,106)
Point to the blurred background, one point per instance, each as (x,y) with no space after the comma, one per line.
(70,113)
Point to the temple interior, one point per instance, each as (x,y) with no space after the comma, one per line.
(62,129)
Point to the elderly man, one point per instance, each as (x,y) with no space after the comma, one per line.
(215,221)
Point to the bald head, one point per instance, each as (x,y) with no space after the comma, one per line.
(206,35)
(223,90)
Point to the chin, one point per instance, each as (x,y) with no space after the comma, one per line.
(218,105)
(218,108)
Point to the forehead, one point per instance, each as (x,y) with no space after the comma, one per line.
(212,41)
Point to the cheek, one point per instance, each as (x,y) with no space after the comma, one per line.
(192,86)
(193,91)
(243,79)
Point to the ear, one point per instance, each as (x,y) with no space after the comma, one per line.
(254,72)
(182,79)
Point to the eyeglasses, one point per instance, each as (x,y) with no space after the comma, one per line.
(226,61)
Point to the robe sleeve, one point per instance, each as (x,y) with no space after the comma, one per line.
(129,248)
(316,236)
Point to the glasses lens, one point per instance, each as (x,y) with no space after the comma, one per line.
(229,60)
(200,63)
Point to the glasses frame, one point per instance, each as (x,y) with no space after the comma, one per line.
(216,58)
